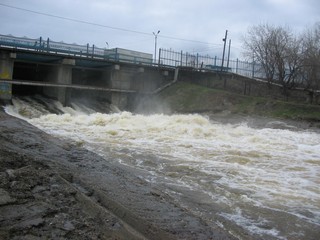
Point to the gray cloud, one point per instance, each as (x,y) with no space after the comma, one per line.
(202,20)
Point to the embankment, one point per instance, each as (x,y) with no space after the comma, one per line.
(190,98)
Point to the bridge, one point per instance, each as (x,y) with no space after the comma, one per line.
(64,71)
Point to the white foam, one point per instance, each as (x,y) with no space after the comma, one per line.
(253,226)
(234,164)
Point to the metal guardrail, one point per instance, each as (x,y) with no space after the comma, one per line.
(66,49)
(167,58)
(200,62)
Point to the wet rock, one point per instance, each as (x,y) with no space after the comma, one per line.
(86,191)
(58,234)
(5,197)
(68,226)
(155,192)
(10,173)
(3,179)
(27,237)
(39,189)
(28,223)
(116,225)
(67,176)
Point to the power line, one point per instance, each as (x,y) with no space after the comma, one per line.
(75,20)
(102,25)
(187,40)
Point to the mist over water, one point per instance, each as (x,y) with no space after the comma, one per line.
(263,181)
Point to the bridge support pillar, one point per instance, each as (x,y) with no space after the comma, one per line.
(119,79)
(61,74)
(6,71)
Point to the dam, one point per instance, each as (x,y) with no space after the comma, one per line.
(254,182)
(64,71)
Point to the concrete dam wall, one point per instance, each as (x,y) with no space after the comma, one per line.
(65,78)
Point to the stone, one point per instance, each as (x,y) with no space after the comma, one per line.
(28,223)
(5,197)
(68,226)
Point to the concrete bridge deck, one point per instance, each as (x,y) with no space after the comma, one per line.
(64,71)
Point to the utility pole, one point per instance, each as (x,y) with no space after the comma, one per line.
(155,45)
(224,48)
(228,54)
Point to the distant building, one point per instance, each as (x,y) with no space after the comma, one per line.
(125,55)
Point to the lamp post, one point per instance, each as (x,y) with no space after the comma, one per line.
(155,45)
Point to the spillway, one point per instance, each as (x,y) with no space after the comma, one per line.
(263,181)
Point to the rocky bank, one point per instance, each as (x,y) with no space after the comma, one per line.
(50,189)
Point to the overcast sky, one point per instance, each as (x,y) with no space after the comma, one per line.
(195,26)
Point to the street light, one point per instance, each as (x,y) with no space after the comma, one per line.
(155,45)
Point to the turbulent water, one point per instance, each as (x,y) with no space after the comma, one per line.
(261,181)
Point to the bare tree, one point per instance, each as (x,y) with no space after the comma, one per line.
(290,65)
(277,50)
(311,58)
(258,44)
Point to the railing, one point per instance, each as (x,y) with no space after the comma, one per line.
(196,61)
(167,58)
(61,48)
